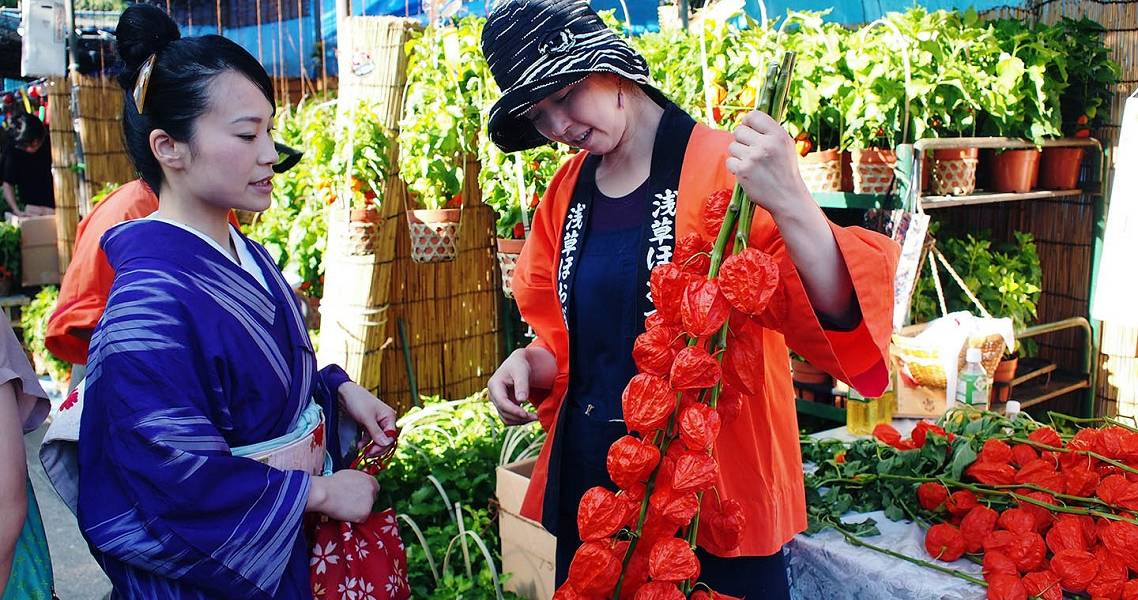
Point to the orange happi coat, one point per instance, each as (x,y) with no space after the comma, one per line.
(760,461)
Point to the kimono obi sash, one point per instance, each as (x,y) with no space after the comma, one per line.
(301,449)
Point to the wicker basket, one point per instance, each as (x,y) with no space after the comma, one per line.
(924,364)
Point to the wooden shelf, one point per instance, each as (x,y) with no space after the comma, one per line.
(1031,368)
(933,202)
(1060,383)
(851,200)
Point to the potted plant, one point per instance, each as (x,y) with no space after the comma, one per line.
(446,92)
(358,167)
(873,108)
(1084,104)
(9,257)
(33,321)
(809,381)
(814,117)
(1007,280)
(505,181)
(946,51)
(1020,101)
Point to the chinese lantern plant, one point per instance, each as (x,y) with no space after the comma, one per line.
(691,380)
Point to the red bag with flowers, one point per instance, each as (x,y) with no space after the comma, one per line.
(367,560)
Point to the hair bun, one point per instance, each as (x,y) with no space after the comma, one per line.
(143,29)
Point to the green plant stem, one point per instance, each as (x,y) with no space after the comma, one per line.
(855,541)
(1088,420)
(1090,453)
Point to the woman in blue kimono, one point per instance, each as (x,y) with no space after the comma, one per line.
(202,349)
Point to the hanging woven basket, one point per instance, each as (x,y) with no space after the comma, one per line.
(873,170)
(434,234)
(822,170)
(954,171)
(508,253)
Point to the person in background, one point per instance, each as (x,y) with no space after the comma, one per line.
(87,282)
(25,567)
(25,168)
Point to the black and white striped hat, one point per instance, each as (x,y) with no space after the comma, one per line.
(536,47)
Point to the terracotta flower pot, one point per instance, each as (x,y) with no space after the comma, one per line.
(1015,171)
(361,230)
(364,215)
(434,234)
(873,170)
(806,376)
(1059,168)
(954,171)
(1002,380)
(822,170)
(508,252)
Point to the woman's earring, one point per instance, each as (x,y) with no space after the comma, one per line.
(620,98)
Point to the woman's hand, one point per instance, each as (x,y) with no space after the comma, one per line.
(509,388)
(376,418)
(765,162)
(346,495)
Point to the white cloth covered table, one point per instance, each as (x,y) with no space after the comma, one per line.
(825,566)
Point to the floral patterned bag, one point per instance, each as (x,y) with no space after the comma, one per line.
(360,561)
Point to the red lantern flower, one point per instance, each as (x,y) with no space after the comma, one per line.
(655,349)
(932,495)
(693,254)
(695,471)
(1006,587)
(749,280)
(694,369)
(594,569)
(961,502)
(703,309)
(1046,435)
(995,451)
(667,284)
(743,359)
(672,559)
(944,542)
(991,473)
(630,461)
(976,526)
(1043,585)
(601,514)
(648,401)
(659,590)
(677,508)
(714,209)
(1076,569)
(998,563)
(721,526)
(699,426)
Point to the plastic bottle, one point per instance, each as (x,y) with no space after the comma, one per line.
(972,384)
(1011,409)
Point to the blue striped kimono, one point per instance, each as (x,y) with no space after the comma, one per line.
(194,357)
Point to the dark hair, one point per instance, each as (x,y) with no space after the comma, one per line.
(26,128)
(178,91)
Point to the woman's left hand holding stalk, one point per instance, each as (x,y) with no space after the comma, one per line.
(374,416)
(765,162)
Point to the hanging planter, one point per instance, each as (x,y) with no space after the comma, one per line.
(434,234)
(1059,168)
(954,171)
(873,170)
(363,225)
(1015,171)
(822,170)
(508,252)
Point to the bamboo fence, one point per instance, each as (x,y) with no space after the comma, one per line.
(450,309)
(354,310)
(100,129)
(64,167)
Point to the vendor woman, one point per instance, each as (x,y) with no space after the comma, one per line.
(612,213)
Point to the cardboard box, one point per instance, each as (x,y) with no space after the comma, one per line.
(39,262)
(528,550)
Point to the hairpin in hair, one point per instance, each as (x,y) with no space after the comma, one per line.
(143,82)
